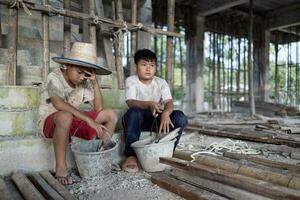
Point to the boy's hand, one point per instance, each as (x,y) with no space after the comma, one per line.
(101,130)
(165,122)
(155,108)
(90,76)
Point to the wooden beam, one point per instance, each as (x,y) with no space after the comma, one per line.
(133,36)
(92,27)
(283,17)
(219,188)
(57,186)
(107,44)
(262,161)
(67,28)
(169,64)
(120,47)
(48,192)
(271,139)
(27,189)
(236,180)
(46,54)
(213,7)
(182,189)
(4,192)
(12,46)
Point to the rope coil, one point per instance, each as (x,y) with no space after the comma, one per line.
(228,145)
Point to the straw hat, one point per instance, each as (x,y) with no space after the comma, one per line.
(83,55)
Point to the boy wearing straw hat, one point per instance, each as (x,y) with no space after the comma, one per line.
(146,95)
(62,92)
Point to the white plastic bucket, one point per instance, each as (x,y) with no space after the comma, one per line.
(91,162)
(148,154)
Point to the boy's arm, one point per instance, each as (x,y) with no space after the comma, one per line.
(151,105)
(97,102)
(165,120)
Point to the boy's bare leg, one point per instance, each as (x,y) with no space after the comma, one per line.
(108,118)
(62,122)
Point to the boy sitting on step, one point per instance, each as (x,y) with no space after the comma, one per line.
(146,95)
(62,93)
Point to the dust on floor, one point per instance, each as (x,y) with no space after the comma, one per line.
(120,185)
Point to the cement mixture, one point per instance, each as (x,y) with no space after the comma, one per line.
(120,185)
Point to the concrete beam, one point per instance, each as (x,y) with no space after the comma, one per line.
(213,7)
(283,17)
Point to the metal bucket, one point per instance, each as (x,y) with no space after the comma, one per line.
(148,154)
(89,161)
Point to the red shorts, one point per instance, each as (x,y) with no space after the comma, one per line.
(78,127)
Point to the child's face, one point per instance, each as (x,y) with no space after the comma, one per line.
(146,69)
(76,75)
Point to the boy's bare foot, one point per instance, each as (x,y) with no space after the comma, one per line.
(64,180)
(131,164)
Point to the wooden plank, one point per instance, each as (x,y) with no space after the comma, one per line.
(16,195)
(27,189)
(184,190)
(236,180)
(244,136)
(4,192)
(219,188)
(92,27)
(266,162)
(48,192)
(57,186)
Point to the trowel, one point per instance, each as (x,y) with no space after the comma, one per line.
(162,137)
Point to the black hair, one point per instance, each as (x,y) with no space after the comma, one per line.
(144,54)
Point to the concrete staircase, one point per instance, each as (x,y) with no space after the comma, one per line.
(21,146)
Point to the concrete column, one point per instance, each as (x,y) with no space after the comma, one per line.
(195,63)
(261,66)
(144,17)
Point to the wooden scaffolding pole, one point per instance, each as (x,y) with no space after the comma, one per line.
(250,64)
(169,67)
(67,28)
(46,54)
(12,46)
(93,19)
(133,36)
(120,47)
(92,27)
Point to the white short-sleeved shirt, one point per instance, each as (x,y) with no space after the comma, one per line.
(56,85)
(158,90)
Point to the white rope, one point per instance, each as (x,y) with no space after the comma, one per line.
(17,4)
(119,36)
(227,145)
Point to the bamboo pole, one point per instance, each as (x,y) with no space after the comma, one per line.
(245,70)
(213,84)
(239,66)
(12,46)
(92,27)
(46,54)
(67,28)
(250,64)
(218,71)
(169,64)
(181,73)
(120,47)
(133,36)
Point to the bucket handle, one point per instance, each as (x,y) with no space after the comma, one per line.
(156,126)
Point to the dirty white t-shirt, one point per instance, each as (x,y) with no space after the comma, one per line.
(158,90)
(56,85)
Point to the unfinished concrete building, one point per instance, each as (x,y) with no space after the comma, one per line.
(232,66)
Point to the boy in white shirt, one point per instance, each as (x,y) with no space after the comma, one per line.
(148,98)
